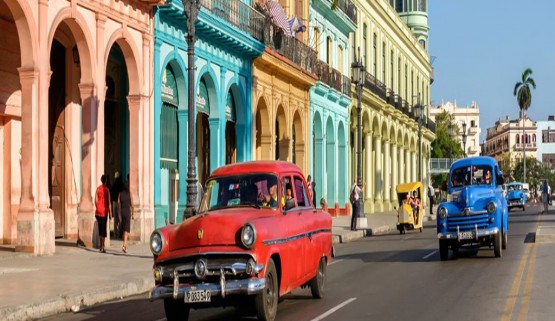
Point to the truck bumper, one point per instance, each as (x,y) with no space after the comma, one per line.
(477,234)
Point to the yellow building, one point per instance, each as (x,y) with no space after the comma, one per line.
(391,40)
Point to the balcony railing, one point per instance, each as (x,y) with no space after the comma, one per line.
(375,86)
(291,48)
(348,8)
(238,14)
(527,146)
(329,76)
(346,90)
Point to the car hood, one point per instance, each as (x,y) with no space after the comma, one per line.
(217,228)
(470,196)
(514,194)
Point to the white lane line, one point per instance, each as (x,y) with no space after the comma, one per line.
(407,238)
(335,261)
(332,310)
(163,319)
(427,256)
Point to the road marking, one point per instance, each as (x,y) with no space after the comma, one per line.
(408,238)
(163,319)
(332,310)
(525,302)
(335,261)
(427,256)
(511,299)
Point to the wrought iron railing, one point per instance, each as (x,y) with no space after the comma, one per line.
(291,48)
(329,76)
(348,8)
(238,14)
(346,89)
(375,86)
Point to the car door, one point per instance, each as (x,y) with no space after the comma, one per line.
(309,222)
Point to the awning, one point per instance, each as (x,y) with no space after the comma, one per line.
(278,16)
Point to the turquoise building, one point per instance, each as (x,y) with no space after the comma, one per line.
(229,36)
(330,99)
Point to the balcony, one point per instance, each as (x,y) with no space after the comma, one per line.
(329,76)
(527,147)
(347,7)
(238,14)
(473,130)
(375,86)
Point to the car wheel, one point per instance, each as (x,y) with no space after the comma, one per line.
(319,280)
(443,250)
(497,246)
(176,310)
(267,301)
(505,240)
(523,208)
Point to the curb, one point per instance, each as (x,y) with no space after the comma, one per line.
(75,301)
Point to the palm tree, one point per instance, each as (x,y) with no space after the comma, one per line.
(524,98)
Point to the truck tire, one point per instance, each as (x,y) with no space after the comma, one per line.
(443,250)
(319,280)
(176,310)
(497,244)
(267,301)
(505,240)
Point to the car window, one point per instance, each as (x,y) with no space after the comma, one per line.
(472,175)
(287,201)
(256,190)
(300,192)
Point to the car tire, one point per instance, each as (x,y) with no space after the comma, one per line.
(443,250)
(497,244)
(505,240)
(176,310)
(266,302)
(319,280)
(523,208)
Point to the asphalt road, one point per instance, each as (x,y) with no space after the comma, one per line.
(400,277)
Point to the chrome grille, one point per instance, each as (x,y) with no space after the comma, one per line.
(465,222)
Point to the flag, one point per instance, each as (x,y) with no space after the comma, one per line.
(296,25)
(278,16)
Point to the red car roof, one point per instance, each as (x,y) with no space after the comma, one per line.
(256,166)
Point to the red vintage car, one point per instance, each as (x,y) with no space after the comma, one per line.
(255,238)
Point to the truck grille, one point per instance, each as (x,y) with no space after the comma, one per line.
(467,222)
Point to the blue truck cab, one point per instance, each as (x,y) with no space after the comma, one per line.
(516,195)
(476,210)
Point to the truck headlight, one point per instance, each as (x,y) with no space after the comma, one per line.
(156,243)
(248,235)
(491,207)
(442,213)
(200,269)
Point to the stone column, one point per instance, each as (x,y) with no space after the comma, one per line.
(379,174)
(86,221)
(407,166)
(401,164)
(394,170)
(387,175)
(414,166)
(370,175)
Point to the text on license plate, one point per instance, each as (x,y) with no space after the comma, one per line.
(197,296)
(466,235)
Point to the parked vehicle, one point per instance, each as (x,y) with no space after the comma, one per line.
(476,211)
(256,237)
(516,196)
(526,188)
(408,216)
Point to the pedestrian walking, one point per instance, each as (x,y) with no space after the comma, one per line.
(114,194)
(431,195)
(545,195)
(125,204)
(102,212)
(355,198)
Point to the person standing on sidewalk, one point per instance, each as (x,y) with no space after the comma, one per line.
(355,199)
(116,188)
(102,203)
(431,195)
(125,205)
(545,195)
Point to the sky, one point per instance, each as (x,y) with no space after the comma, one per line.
(481,49)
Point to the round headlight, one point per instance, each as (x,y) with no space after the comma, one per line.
(248,235)
(200,268)
(442,212)
(156,242)
(491,207)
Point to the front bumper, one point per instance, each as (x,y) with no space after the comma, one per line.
(477,234)
(515,202)
(231,287)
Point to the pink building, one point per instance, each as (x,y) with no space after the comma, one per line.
(75,97)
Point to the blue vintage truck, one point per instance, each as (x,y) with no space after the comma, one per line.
(476,210)
(516,196)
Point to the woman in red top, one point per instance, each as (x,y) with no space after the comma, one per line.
(102,202)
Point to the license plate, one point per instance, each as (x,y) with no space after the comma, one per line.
(197,296)
(466,235)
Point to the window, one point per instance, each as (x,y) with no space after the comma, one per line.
(399,6)
(364,45)
(375,55)
(300,193)
(472,123)
(328,50)
(340,59)
(399,75)
(406,82)
(317,40)
(391,71)
(472,175)
(422,43)
(383,62)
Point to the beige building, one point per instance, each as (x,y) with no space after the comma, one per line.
(469,115)
(398,76)
(506,139)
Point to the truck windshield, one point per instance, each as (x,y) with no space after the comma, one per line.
(254,190)
(471,175)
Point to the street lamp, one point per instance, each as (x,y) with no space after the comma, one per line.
(450,142)
(464,137)
(358,72)
(191,9)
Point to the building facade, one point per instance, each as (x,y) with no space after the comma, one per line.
(330,99)
(74,105)
(546,141)
(506,141)
(469,115)
(229,35)
(395,96)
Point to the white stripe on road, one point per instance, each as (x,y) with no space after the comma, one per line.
(330,311)
(163,319)
(335,261)
(427,256)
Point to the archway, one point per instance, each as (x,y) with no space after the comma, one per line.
(282,140)
(330,163)
(263,134)
(318,156)
(203,132)
(230,129)
(298,141)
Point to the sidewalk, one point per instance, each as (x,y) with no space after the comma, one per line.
(74,277)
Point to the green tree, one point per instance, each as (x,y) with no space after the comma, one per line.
(524,98)
(535,171)
(440,146)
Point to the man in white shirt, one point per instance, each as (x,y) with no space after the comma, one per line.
(355,199)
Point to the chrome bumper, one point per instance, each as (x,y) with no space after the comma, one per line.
(477,234)
(246,286)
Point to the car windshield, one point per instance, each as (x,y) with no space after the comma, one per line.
(255,190)
(514,187)
(471,175)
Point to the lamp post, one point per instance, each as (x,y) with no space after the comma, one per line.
(464,137)
(191,9)
(358,72)
(450,142)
